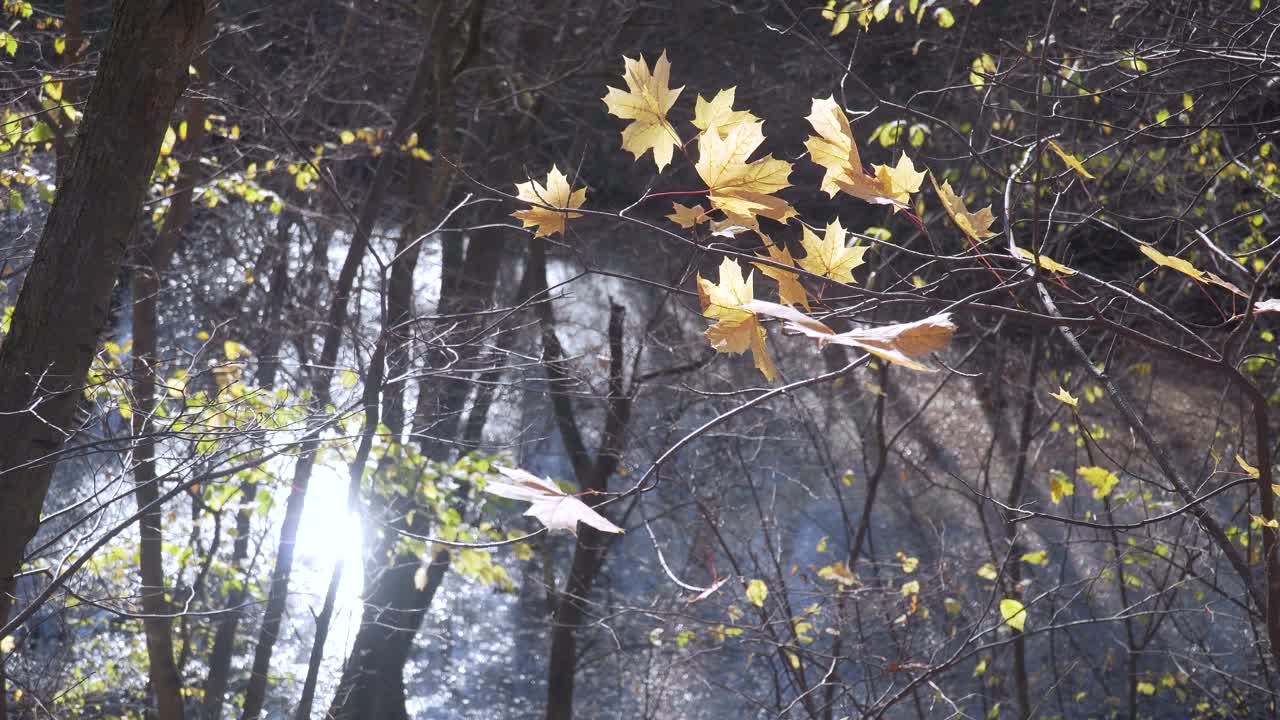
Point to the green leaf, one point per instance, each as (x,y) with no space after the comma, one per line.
(944,17)
(40,132)
(757,591)
(1014,613)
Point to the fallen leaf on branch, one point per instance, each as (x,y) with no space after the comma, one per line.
(553,507)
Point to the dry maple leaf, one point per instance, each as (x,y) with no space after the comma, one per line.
(551,203)
(901,344)
(718,114)
(1186,268)
(1070,161)
(975,226)
(901,181)
(1046,262)
(687,217)
(743,190)
(736,330)
(646,100)
(552,507)
(828,256)
(790,291)
(834,149)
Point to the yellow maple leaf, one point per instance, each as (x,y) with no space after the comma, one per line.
(834,149)
(901,181)
(1186,268)
(646,100)
(1046,262)
(1070,160)
(1065,397)
(828,256)
(687,217)
(743,190)
(718,113)
(975,226)
(551,203)
(790,291)
(736,330)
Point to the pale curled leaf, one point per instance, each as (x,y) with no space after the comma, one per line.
(901,344)
(547,502)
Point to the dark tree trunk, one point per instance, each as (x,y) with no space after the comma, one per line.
(64,299)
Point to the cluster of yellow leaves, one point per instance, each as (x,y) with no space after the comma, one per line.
(743,190)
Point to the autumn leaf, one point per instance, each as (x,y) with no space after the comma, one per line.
(1101,479)
(736,330)
(718,114)
(1070,160)
(828,256)
(1045,261)
(835,150)
(1039,557)
(687,217)
(743,190)
(646,101)
(901,181)
(1065,397)
(1248,469)
(838,573)
(1186,268)
(548,503)
(1014,613)
(1060,486)
(790,291)
(550,203)
(975,226)
(900,344)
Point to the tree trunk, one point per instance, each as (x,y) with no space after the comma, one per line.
(255,692)
(64,300)
(150,261)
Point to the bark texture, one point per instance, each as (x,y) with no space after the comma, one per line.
(65,297)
